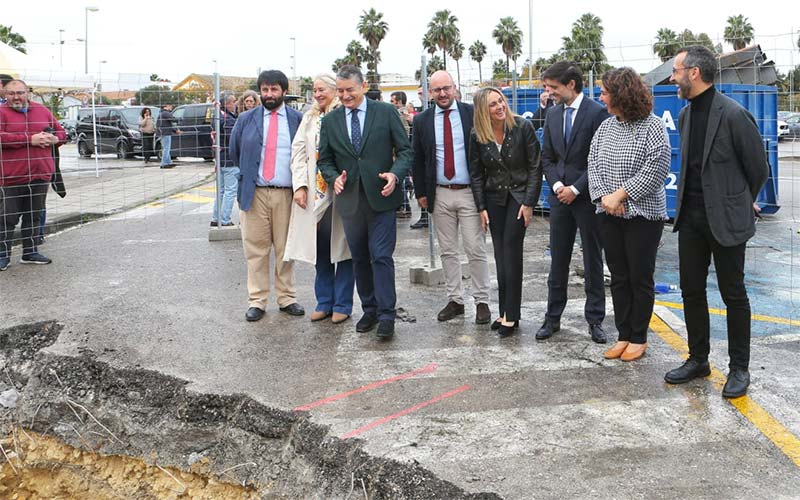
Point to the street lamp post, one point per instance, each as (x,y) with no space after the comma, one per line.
(100,75)
(86,37)
(294,64)
(60,48)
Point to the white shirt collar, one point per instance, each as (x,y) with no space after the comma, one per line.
(362,106)
(452,107)
(576,103)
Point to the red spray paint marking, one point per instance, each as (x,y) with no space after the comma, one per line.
(425,369)
(405,412)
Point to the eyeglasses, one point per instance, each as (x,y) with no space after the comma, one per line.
(675,70)
(439,90)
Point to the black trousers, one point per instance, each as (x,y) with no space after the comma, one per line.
(147,146)
(631,246)
(565,221)
(22,201)
(508,235)
(696,246)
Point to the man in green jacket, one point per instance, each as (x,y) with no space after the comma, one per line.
(364,153)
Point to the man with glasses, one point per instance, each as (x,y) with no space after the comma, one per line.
(28,132)
(723,167)
(442,186)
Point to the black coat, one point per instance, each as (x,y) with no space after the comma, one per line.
(424,145)
(515,169)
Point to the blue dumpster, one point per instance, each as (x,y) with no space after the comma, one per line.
(760,100)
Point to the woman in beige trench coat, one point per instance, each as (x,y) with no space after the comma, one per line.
(316,234)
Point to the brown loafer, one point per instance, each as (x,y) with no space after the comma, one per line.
(633,351)
(319,315)
(616,351)
(338,318)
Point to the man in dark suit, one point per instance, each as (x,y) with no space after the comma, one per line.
(723,167)
(568,131)
(364,154)
(261,144)
(441,170)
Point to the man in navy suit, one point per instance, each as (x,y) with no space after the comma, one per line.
(442,186)
(568,131)
(261,144)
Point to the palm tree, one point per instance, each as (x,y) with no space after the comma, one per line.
(508,35)
(738,32)
(434,65)
(457,52)
(667,44)
(688,38)
(585,45)
(429,44)
(476,51)
(355,53)
(500,70)
(373,29)
(13,40)
(443,32)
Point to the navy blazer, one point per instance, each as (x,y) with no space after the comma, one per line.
(246,144)
(424,145)
(568,163)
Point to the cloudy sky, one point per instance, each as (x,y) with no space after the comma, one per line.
(174,38)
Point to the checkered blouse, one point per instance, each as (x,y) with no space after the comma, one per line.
(634,156)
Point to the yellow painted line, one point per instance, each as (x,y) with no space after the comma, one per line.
(723,312)
(192,198)
(155,204)
(773,430)
(208,189)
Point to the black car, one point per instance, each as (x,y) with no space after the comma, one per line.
(194,121)
(69,127)
(117,130)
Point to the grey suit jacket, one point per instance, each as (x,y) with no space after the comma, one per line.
(734,169)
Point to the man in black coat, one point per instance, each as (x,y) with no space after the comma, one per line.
(568,131)
(442,187)
(723,167)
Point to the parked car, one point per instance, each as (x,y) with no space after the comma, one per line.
(69,128)
(194,121)
(793,127)
(117,130)
(783,130)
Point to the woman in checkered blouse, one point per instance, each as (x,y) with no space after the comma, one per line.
(628,162)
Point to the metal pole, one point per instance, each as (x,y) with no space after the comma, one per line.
(530,43)
(217,141)
(294,64)
(60,49)
(86,41)
(424,79)
(94,132)
(514,90)
(591,83)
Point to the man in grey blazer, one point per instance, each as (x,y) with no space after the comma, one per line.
(261,144)
(723,167)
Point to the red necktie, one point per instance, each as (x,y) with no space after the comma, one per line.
(271,148)
(449,161)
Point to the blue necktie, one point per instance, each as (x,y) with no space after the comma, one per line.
(355,130)
(568,125)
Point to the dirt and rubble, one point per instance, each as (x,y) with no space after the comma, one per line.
(81,428)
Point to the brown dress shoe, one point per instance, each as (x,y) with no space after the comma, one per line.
(319,315)
(450,311)
(633,351)
(616,351)
(338,318)
(482,314)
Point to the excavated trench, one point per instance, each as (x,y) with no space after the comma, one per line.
(74,427)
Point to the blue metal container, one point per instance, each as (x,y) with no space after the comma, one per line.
(760,100)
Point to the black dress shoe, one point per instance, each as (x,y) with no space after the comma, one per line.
(496,324)
(385,329)
(450,311)
(690,370)
(293,309)
(597,333)
(482,314)
(366,323)
(505,331)
(254,314)
(737,384)
(421,223)
(549,327)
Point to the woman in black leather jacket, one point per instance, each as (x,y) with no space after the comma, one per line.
(506,179)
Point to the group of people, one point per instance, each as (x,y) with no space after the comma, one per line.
(324,188)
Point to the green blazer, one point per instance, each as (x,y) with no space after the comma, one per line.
(384,148)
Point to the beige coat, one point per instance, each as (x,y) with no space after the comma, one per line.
(301,243)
